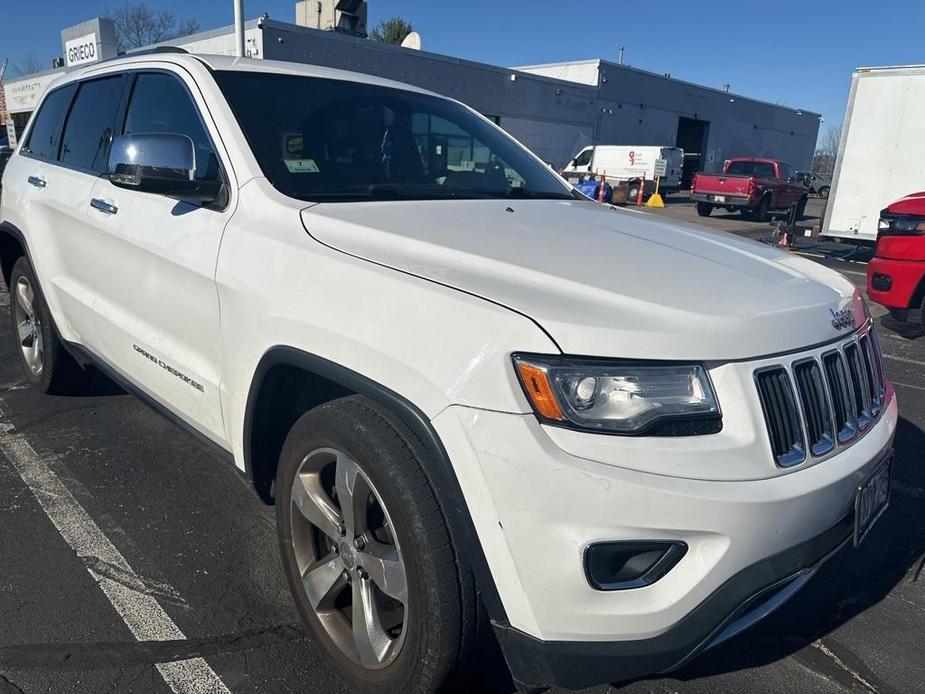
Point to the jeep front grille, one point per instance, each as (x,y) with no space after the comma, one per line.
(812,405)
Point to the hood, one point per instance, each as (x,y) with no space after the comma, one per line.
(600,280)
(913,204)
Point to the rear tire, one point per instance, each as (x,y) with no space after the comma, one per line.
(761,213)
(704,209)
(426,612)
(47,365)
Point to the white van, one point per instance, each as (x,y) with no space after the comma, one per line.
(629,164)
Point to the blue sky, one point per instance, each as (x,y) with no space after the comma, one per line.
(797,53)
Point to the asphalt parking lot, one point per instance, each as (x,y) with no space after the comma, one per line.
(157,520)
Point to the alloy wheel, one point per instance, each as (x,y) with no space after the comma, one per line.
(28,327)
(352,568)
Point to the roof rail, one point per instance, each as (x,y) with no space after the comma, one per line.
(154,50)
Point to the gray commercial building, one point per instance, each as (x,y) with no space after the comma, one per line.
(554,109)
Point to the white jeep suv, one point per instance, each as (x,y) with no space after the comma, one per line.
(485,407)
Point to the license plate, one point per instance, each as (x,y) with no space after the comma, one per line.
(719,198)
(871,500)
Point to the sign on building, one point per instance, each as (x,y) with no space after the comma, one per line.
(89,42)
(81,50)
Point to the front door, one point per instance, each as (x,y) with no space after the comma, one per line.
(157,312)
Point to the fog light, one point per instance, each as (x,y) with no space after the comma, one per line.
(881,283)
(630,564)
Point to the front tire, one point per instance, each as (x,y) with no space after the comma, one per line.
(633,192)
(367,552)
(922,315)
(824,192)
(47,366)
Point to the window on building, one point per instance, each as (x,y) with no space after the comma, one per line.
(161,104)
(89,128)
(46,132)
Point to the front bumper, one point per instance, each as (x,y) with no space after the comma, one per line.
(905,276)
(536,508)
(741,601)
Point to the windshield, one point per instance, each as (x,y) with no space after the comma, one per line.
(336,141)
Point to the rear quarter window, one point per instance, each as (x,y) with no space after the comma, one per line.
(45,135)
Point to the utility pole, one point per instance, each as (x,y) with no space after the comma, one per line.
(239,27)
(620,59)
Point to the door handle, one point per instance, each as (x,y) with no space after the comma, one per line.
(103,206)
(37,182)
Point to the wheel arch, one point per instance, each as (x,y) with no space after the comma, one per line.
(12,247)
(288,382)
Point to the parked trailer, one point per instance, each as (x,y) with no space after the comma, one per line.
(881,156)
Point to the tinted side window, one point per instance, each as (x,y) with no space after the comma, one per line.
(46,131)
(786,171)
(88,132)
(161,104)
(764,170)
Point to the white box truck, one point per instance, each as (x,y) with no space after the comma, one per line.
(881,157)
(629,164)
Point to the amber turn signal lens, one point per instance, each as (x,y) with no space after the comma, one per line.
(538,389)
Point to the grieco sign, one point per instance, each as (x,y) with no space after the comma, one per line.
(81,50)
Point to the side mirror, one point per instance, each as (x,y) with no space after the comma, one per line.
(160,163)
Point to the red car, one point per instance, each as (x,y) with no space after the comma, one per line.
(896,275)
(756,187)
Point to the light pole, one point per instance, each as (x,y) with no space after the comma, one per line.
(239,27)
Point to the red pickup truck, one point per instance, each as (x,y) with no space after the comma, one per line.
(896,274)
(753,186)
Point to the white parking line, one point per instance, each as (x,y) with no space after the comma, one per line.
(904,360)
(143,615)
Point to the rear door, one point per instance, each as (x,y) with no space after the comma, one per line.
(674,158)
(65,157)
(157,312)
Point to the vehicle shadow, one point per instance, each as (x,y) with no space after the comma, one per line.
(99,385)
(853,581)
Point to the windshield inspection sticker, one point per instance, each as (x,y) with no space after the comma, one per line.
(301,165)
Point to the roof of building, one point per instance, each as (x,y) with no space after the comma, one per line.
(597,63)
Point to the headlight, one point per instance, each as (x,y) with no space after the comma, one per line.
(620,398)
(900,226)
